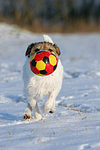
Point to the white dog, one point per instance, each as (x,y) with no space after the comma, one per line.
(39,86)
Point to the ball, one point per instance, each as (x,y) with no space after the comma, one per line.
(43,63)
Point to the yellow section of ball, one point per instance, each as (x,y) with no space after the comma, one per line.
(40,65)
(52,60)
(41,75)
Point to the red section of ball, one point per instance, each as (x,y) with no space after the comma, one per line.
(49,69)
(40,55)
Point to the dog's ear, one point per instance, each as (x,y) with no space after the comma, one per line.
(28,51)
(57,49)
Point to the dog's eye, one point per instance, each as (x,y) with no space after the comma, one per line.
(36,50)
(50,50)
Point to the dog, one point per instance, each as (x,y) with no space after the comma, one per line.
(36,86)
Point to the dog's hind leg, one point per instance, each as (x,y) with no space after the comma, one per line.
(49,105)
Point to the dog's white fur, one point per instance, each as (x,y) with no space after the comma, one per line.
(39,86)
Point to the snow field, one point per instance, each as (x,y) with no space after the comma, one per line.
(75,125)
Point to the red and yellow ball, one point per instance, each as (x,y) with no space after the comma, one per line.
(43,63)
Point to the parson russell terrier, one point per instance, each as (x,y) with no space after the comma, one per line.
(39,86)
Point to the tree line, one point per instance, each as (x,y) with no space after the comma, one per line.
(51,15)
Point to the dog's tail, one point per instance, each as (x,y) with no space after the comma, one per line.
(47,39)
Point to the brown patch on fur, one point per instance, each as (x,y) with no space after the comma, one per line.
(34,47)
(26,116)
(51,111)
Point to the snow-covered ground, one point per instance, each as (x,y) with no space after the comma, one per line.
(76,123)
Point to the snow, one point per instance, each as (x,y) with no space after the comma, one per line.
(75,125)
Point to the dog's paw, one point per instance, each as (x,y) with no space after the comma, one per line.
(46,109)
(26,116)
(38,116)
(51,111)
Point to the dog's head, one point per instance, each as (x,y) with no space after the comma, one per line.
(47,45)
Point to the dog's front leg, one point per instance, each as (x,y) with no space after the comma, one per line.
(27,115)
(34,106)
(49,105)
